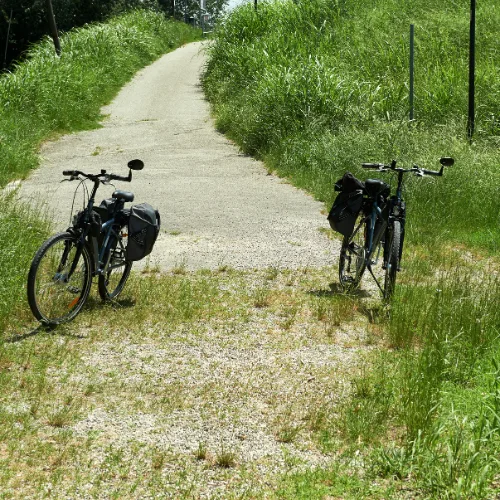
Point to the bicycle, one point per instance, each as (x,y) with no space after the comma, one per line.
(379,223)
(63,268)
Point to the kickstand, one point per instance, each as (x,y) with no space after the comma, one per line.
(376,280)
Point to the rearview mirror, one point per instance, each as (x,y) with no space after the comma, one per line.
(135,165)
(446,161)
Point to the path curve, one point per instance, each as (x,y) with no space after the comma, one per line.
(218,207)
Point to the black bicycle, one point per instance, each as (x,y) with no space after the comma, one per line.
(376,223)
(95,244)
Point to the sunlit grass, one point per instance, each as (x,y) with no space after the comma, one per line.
(316,88)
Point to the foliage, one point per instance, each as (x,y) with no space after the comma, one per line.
(47,94)
(29,18)
(318,87)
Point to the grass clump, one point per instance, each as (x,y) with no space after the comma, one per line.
(21,233)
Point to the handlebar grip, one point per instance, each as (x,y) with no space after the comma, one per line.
(70,172)
(372,165)
(114,177)
(432,172)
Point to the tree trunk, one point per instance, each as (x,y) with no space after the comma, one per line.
(53,26)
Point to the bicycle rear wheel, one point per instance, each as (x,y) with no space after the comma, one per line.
(55,294)
(392,262)
(352,263)
(112,282)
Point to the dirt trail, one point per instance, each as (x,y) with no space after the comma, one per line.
(218,206)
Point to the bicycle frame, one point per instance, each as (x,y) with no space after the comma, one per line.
(97,254)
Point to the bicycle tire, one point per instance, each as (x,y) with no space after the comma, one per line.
(352,262)
(53,297)
(392,264)
(111,283)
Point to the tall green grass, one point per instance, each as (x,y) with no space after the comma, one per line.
(315,88)
(46,94)
(318,87)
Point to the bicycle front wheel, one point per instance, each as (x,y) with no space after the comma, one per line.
(56,292)
(352,262)
(116,271)
(392,262)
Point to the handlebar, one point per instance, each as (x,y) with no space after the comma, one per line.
(382,167)
(102,177)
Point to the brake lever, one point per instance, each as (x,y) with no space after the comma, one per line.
(69,180)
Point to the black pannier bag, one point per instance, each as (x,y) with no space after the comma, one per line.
(106,209)
(143,229)
(347,205)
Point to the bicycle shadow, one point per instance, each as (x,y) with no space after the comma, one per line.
(335,290)
(373,311)
(40,330)
(99,305)
(64,330)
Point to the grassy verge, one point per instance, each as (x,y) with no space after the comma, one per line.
(315,89)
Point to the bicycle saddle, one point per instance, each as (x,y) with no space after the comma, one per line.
(374,187)
(123,195)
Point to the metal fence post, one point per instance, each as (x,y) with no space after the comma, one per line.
(472,65)
(412,64)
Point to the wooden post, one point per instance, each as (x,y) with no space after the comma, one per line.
(255,4)
(53,26)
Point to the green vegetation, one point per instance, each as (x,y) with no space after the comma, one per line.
(316,88)
(21,233)
(25,21)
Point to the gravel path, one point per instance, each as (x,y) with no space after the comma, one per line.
(218,206)
(258,383)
